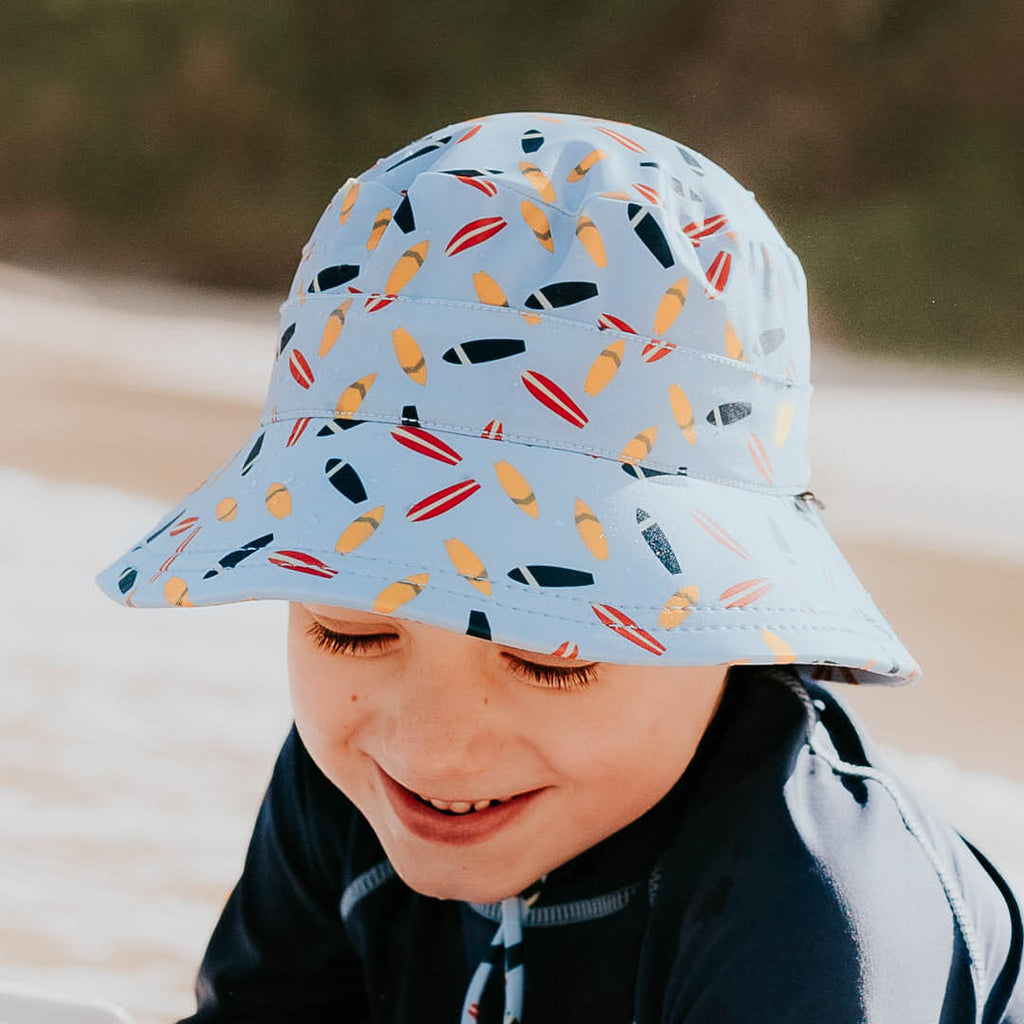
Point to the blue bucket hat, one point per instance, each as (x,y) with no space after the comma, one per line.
(543,380)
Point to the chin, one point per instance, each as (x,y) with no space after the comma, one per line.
(448,885)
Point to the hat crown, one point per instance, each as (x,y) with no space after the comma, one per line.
(633,288)
(541,379)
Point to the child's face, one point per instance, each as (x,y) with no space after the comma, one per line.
(446,716)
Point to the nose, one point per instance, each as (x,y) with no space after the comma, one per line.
(442,727)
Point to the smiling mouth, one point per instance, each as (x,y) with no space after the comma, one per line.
(455,822)
(458,807)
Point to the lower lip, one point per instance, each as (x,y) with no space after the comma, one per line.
(424,822)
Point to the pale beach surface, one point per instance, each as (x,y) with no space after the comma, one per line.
(135,745)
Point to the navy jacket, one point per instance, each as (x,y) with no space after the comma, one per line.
(788,876)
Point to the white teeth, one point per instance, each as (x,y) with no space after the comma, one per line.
(459,806)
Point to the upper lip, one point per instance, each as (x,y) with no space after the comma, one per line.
(461,799)
(464,800)
(506,794)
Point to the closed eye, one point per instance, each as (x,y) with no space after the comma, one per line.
(342,643)
(556,678)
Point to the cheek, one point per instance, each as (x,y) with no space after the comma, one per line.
(635,744)
(328,707)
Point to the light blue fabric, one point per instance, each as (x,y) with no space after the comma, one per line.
(507,947)
(540,379)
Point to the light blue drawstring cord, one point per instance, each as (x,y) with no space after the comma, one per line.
(508,945)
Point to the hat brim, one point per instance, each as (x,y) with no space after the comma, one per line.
(533,547)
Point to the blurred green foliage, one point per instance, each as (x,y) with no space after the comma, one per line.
(199,139)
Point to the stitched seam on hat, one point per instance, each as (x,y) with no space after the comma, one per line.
(657,631)
(447,571)
(787,626)
(670,469)
(498,603)
(518,311)
(772,233)
(505,183)
(532,194)
(548,593)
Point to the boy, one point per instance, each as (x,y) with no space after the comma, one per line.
(531,476)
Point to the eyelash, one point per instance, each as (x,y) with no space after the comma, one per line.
(559,679)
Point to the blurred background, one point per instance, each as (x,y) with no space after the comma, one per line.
(199,140)
(161,164)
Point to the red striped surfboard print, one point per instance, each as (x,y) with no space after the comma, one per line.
(656,349)
(425,443)
(719,534)
(469,133)
(607,322)
(760,457)
(473,233)
(649,193)
(300,369)
(550,395)
(622,140)
(739,595)
(483,184)
(299,561)
(566,649)
(696,230)
(442,501)
(182,525)
(619,622)
(718,274)
(378,300)
(169,561)
(298,428)
(493,431)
